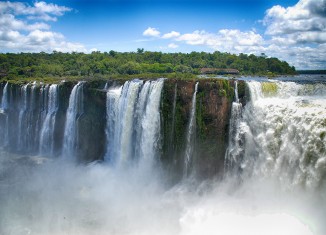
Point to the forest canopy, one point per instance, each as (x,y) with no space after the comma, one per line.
(112,63)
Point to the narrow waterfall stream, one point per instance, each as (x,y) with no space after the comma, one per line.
(75,109)
(190,134)
(235,148)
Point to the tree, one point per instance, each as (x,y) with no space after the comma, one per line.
(140,50)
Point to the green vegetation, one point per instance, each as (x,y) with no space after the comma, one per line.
(141,64)
(269,88)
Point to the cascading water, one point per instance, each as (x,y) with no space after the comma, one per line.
(75,109)
(22,120)
(284,128)
(4,100)
(122,107)
(190,133)
(133,121)
(151,122)
(235,146)
(112,112)
(4,110)
(139,113)
(47,131)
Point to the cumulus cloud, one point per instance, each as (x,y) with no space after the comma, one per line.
(303,22)
(151,32)
(172,34)
(22,28)
(40,10)
(37,40)
(230,40)
(299,33)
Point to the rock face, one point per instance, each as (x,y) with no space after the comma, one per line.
(212,113)
(213,105)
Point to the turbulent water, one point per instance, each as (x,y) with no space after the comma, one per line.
(274,181)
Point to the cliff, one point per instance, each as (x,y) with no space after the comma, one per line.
(28,105)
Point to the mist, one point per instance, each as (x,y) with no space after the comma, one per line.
(42,196)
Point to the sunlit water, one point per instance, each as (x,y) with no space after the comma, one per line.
(273,188)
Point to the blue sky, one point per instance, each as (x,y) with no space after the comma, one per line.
(291,30)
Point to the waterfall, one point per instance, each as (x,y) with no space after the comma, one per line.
(4,100)
(140,110)
(235,149)
(133,121)
(47,130)
(151,122)
(112,114)
(283,128)
(236,95)
(75,109)
(4,110)
(33,120)
(190,133)
(124,131)
(22,120)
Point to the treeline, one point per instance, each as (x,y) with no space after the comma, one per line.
(58,64)
(311,71)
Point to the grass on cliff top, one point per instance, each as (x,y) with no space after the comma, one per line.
(57,79)
(269,88)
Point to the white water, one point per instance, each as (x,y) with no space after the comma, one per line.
(47,131)
(133,121)
(112,112)
(75,109)
(22,121)
(4,100)
(120,115)
(235,145)
(285,134)
(4,110)
(190,133)
(151,123)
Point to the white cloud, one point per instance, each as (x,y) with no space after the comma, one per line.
(36,41)
(227,40)
(9,22)
(195,38)
(151,32)
(40,10)
(18,34)
(298,33)
(173,45)
(307,16)
(172,34)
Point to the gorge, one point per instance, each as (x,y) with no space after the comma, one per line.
(163,156)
